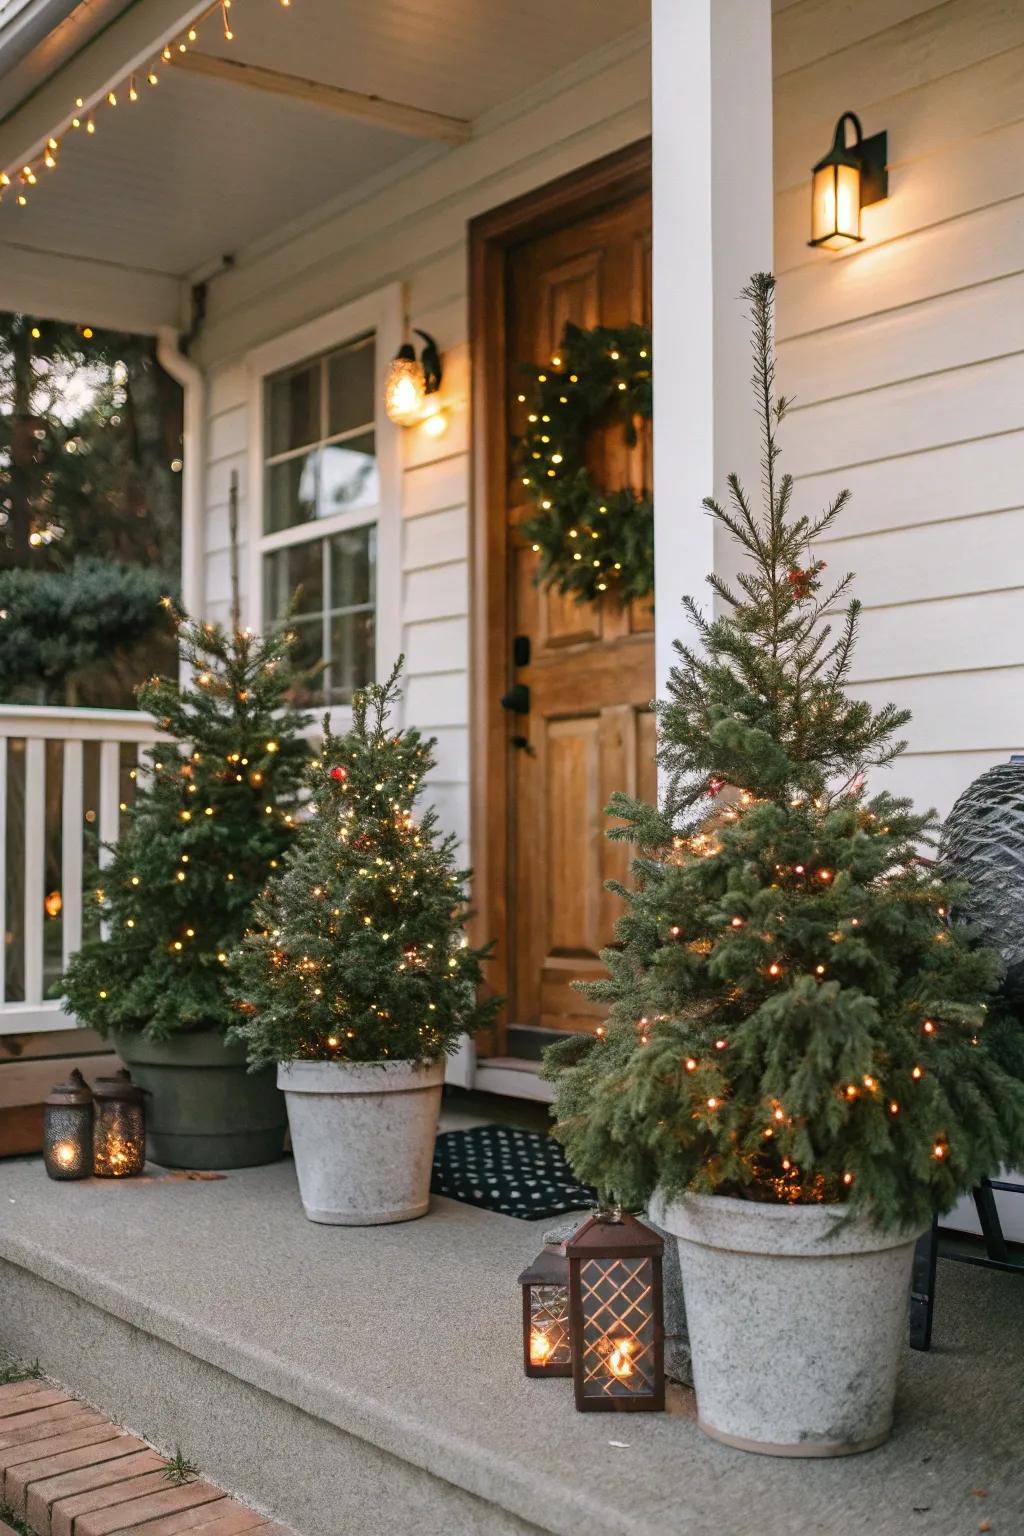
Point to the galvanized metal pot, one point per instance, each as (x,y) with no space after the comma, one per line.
(363,1137)
(796,1320)
(204,1109)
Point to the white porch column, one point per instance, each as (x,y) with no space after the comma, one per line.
(712,112)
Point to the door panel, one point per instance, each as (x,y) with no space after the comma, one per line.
(591,670)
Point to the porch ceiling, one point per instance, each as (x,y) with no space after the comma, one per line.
(201,167)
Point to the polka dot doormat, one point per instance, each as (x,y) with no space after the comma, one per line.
(499,1168)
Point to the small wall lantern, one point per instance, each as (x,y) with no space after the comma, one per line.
(409,381)
(119,1129)
(847,179)
(616,1324)
(67,1129)
(545,1285)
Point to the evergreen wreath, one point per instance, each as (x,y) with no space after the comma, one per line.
(589,541)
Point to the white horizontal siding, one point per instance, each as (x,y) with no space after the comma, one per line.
(950,634)
(412,230)
(905,356)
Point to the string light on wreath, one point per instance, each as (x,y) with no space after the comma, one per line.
(21,180)
(590,541)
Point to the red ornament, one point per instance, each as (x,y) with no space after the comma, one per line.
(715,786)
(339,774)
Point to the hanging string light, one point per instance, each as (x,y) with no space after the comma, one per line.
(82,117)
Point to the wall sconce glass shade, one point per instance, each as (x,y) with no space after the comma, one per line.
(404,389)
(616,1323)
(847,179)
(409,381)
(545,1283)
(119,1128)
(67,1129)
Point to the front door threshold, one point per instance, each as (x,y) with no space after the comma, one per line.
(514,1077)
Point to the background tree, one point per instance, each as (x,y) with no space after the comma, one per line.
(90,445)
(792,1017)
(212,818)
(357,951)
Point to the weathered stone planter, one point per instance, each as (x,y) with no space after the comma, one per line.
(796,1323)
(363,1137)
(204,1109)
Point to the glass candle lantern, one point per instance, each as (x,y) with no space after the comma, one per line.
(119,1128)
(615,1315)
(545,1285)
(67,1129)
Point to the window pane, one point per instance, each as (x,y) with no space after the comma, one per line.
(352,654)
(291,492)
(348,476)
(307,656)
(288,569)
(293,409)
(350,387)
(353,561)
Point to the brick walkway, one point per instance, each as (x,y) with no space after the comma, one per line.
(66,1470)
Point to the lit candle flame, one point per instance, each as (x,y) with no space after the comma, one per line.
(619,1362)
(65,1153)
(540,1348)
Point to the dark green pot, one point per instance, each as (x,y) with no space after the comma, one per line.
(203,1109)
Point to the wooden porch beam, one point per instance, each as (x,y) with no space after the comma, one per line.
(414,121)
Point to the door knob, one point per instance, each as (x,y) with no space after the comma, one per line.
(517,699)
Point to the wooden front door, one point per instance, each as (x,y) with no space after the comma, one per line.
(590,667)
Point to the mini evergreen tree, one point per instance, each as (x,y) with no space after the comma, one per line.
(357,952)
(792,1016)
(212,816)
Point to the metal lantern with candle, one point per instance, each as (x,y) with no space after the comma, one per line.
(119,1127)
(615,1315)
(67,1129)
(545,1284)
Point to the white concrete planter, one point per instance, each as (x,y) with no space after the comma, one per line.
(796,1327)
(363,1137)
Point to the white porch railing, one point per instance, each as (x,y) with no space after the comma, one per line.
(65,777)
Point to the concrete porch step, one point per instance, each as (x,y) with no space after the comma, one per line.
(368,1382)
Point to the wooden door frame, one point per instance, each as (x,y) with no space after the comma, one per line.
(609,180)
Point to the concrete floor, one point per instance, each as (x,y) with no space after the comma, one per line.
(408,1337)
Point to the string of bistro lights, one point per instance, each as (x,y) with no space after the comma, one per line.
(704,845)
(17,184)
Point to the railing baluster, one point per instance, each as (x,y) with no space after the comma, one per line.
(71,849)
(117,734)
(35,852)
(110,796)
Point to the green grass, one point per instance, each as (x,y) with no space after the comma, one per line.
(17,1370)
(16,1523)
(179,1469)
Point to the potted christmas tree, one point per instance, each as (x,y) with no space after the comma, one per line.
(212,817)
(357,978)
(797,1062)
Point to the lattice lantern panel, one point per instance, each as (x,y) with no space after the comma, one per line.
(616,1323)
(546,1346)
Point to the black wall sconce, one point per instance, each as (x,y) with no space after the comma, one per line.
(410,380)
(847,179)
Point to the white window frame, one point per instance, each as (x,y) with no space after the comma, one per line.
(382,313)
